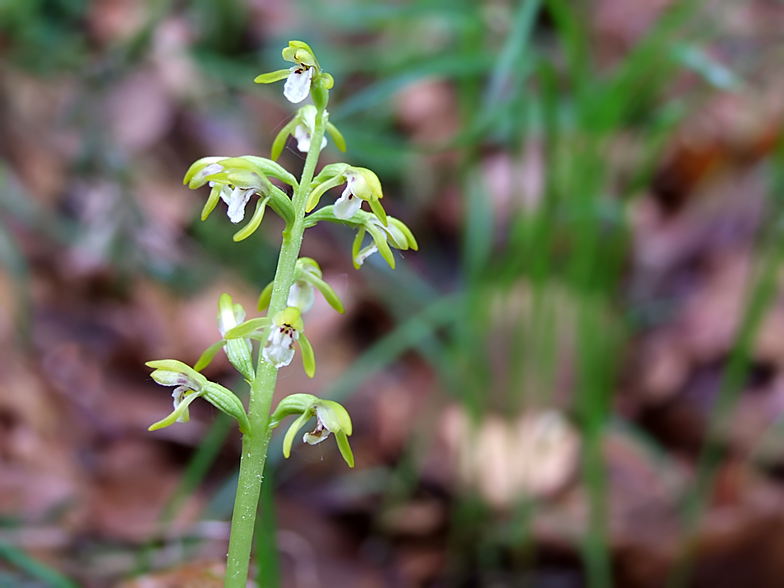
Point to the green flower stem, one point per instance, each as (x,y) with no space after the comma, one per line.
(255,444)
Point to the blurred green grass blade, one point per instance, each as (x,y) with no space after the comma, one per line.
(479,228)
(448,66)
(34,568)
(196,470)
(761,296)
(513,55)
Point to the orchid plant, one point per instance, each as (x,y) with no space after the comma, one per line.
(280,334)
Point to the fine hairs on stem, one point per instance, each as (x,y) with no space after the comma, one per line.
(280,333)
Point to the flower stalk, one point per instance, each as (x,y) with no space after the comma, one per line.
(255,444)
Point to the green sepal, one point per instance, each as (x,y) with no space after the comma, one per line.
(319,191)
(265,296)
(195,168)
(288,440)
(163,367)
(379,211)
(381,242)
(280,140)
(401,226)
(227,402)
(254,222)
(179,414)
(299,52)
(291,404)
(271,168)
(345,448)
(308,359)
(212,202)
(326,290)
(273,76)
(208,355)
(371,188)
(243,330)
(328,171)
(357,246)
(337,137)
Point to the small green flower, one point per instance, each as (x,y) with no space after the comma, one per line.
(304,77)
(361,184)
(302,127)
(190,385)
(394,233)
(234,180)
(307,279)
(331,417)
(287,329)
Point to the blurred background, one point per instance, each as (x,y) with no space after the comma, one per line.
(577,381)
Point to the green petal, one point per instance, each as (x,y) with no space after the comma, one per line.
(308,359)
(273,76)
(337,137)
(207,356)
(254,223)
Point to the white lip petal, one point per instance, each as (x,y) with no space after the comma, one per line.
(302,136)
(365,253)
(278,355)
(297,86)
(347,205)
(237,201)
